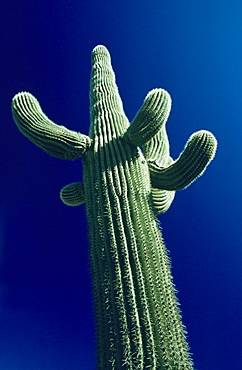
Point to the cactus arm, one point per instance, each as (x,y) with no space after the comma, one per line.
(37,127)
(73,194)
(197,154)
(162,200)
(150,118)
(158,150)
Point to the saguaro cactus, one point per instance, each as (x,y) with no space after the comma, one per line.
(138,319)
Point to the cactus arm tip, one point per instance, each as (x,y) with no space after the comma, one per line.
(150,118)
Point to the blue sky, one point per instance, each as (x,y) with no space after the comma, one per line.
(193,49)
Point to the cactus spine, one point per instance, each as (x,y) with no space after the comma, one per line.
(138,319)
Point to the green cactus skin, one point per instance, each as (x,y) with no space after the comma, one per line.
(138,319)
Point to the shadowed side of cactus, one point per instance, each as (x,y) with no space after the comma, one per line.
(138,319)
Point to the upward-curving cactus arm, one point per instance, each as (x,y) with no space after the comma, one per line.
(197,154)
(150,118)
(37,127)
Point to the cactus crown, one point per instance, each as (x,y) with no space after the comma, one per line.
(147,130)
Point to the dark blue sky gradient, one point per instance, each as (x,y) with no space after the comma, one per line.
(191,48)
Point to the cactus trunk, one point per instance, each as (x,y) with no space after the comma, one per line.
(138,320)
(137,316)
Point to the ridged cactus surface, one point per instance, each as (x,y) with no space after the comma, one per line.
(138,319)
